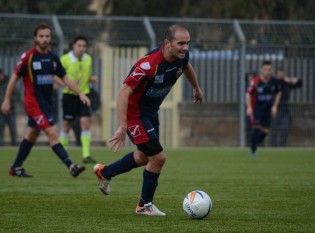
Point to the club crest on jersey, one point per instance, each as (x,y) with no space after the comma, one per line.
(137,74)
(159,78)
(145,65)
(37,65)
(134,131)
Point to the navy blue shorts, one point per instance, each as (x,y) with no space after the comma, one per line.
(143,129)
(262,118)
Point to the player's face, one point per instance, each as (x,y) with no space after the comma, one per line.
(79,48)
(42,39)
(266,71)
(180,44)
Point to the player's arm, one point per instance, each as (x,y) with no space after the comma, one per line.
(72,86)
(58,83)
(191,76)
(6,104)
(294,82)
(249,109)
(118,140)
(275,105)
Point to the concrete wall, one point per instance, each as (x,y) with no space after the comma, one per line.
(218,125)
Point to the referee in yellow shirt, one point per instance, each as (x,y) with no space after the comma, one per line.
(78,65)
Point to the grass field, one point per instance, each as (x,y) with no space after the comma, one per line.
(274,192)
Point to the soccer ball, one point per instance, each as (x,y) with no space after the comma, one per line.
(197,204)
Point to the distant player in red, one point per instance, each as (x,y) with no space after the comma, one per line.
(138,102)
(38,67)
(262,100)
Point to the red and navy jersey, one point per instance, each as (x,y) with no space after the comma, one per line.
(262,93)
(38,71)
(151,79)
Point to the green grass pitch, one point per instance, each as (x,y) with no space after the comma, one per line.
(274,192)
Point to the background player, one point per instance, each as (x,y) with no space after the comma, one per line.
(138,102)
(78,65)
(262,100)
(280,125)
(38,66)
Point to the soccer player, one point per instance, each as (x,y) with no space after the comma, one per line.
(78,65)
(138,102)
(280,125)
(37,67)
(262,100)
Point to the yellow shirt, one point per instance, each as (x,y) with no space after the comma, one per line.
(79,71)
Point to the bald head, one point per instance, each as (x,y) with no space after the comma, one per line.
(171,30)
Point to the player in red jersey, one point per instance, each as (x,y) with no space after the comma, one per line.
(38,67)
(262,100)
(138,102)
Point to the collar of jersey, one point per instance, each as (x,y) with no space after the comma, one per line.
(74,58)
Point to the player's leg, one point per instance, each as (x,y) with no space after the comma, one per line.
(274,127)
(85,113)
(85,124)
(284,129)
(123,165)
(69,108)
(256,121)
(26,145)
(264,130)
(156,156)
(64,134)
(12,127)
(57,147)
(1,129)
(128,162)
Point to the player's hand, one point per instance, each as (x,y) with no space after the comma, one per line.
(85,100)
(5,107)
(249,112)
(274,111)
(118,141)
(93,79)
(198,95)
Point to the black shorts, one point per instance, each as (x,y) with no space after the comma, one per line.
(262,118)
(150,148)
(72,106)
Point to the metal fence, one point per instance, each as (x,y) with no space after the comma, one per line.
(221,52)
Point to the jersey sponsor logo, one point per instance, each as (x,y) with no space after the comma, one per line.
(159,78)
(46,79)
(265,98)
(171,69)
(154,92)
(137,74)
(134,130)
(45,60)
(37,65)
(145,65)
(39,120)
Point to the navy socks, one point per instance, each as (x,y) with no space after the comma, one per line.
(24,150)
(125,164)
(62,154)
(256,138)
(150,182)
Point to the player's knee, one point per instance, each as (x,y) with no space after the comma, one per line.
(161,158)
